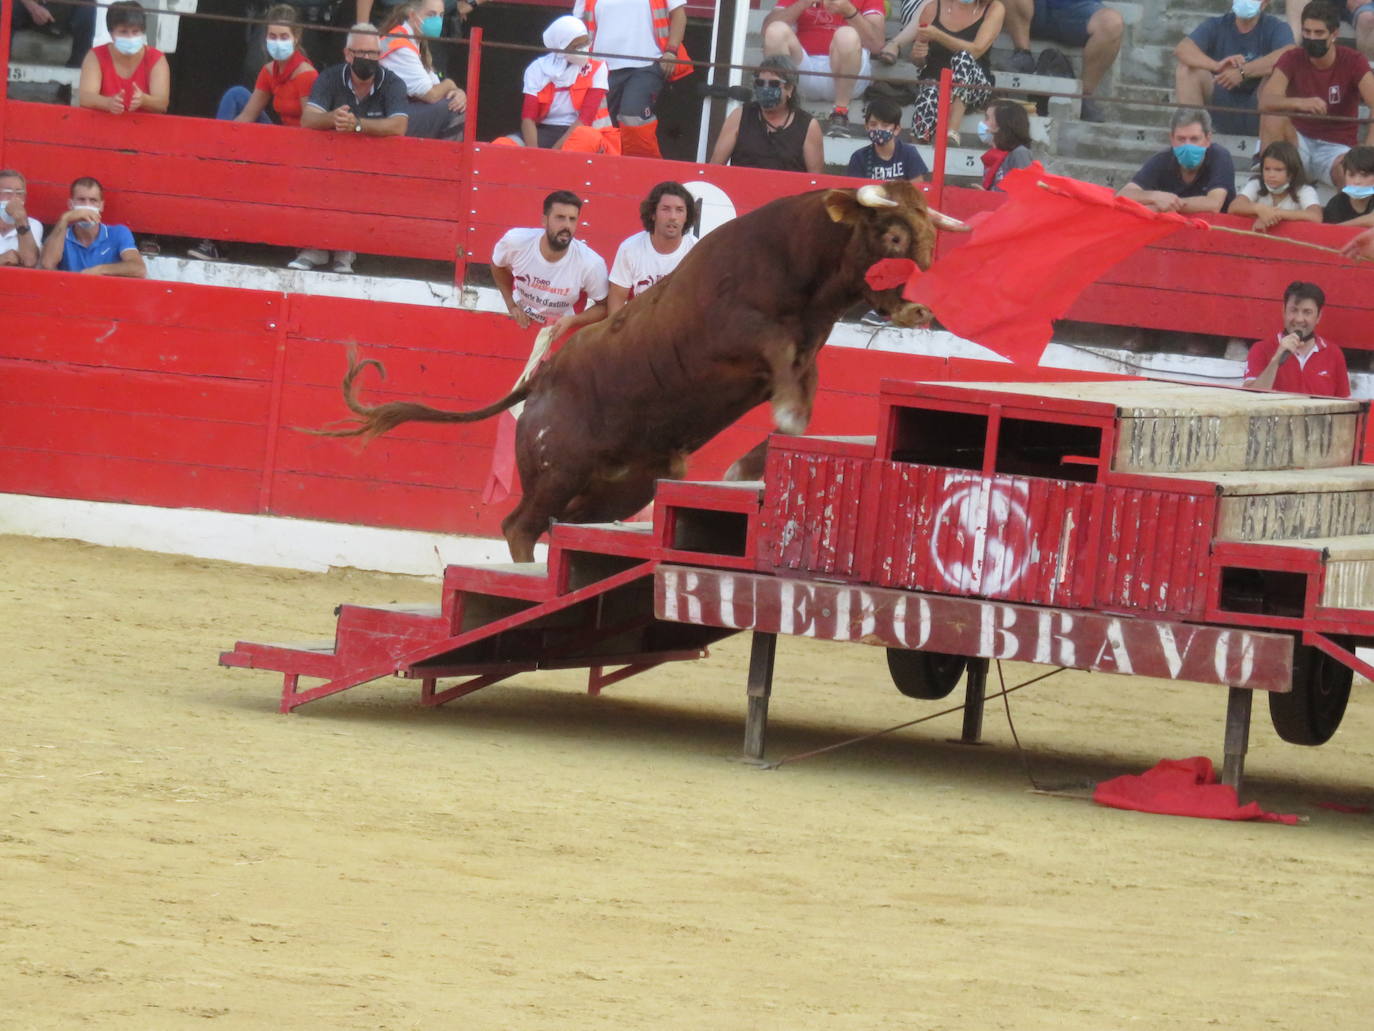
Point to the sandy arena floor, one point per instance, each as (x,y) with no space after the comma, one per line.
(174,852)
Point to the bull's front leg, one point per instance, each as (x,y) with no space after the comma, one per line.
(801,401)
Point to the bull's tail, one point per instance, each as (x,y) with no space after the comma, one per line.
(373,421)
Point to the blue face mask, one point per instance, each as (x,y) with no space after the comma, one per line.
(985,134)
(881,136)
(1190,155)
(1246,9)
(769,96)
(130,45)
(280,49)
(432,26)
(1358,192)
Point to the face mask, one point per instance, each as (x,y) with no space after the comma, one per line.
(1246,9)
(280,49)
(1316,47)
(881,136)
(1359,192)
(5,215)
(985,134)
(365,68)
(1190,155)
(577,58)
(768,96)
(1280,188)
(432,26)
(130,45)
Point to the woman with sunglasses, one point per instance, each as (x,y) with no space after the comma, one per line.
(771,130)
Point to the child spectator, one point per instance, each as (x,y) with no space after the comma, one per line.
(1280,192)
(1354,205)
(126,74)
(436,105)
(888,156)
(1006,132)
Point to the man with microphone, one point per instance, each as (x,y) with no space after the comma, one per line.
(1296,360)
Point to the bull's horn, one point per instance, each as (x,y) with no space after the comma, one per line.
(874,196)
(944,221)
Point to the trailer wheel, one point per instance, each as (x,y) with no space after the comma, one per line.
(1310,713)
(925,674)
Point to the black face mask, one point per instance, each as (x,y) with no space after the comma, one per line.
(1316,47)
(365,68)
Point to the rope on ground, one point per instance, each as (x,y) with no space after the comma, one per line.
(902,726)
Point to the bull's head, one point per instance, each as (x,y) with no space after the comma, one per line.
(889,220)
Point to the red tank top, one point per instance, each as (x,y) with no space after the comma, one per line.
(113,84)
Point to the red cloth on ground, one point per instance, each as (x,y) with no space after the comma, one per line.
(1182,787)
(985,291)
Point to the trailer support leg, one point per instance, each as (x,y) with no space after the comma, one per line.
(975,691)
(761,653)
(1238,702)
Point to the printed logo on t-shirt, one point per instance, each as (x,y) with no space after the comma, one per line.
(1333,94)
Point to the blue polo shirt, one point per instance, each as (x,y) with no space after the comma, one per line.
(106,249)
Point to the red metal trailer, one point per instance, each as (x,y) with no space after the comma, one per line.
(1136,527)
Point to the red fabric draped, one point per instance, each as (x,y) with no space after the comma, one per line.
(1182,787)
(1027,262)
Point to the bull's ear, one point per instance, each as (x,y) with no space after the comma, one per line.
(841,205)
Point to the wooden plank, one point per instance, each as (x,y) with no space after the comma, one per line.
(133,435)
(988,629)
(70,386)
(432,509)
(132,481)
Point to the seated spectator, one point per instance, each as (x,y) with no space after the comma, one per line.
(126,74)
(1280,192)
(1318,78)
(1078,23)
(360,97)
(1354,205)
(37,14)
(564,91)
(887,155)
(1006,132)
(771,131)
(284,81)
(958,37)
(667,215)
(21,236)
(1359,13)
(81,242)
(1195,175)
(1224,59)
(436,106)
(828,36)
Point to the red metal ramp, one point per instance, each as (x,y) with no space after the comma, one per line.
(589,606)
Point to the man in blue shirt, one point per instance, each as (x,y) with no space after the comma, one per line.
(1193,176)
(81,242)
(1223,61)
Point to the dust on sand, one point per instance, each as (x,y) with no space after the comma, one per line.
(174,851)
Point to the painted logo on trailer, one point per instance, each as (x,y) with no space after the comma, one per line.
(982,542)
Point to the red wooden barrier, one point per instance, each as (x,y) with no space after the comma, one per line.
(189,396)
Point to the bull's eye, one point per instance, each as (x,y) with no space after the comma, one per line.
(896,240)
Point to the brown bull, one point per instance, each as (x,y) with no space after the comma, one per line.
(738,323)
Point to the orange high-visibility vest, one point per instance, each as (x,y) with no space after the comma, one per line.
(390,44)
(658,11)
(577,92)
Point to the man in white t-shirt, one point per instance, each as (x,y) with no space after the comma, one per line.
(668,214)
(21,237)
(542,272)
(649,32)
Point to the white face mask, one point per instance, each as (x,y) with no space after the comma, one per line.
(577,58)
(130,45)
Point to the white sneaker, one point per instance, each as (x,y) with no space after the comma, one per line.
(309,258)
(343,261)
